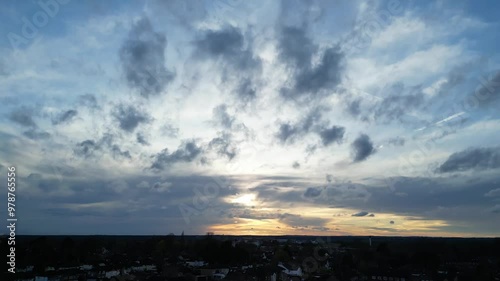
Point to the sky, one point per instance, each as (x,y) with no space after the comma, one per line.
(252,117)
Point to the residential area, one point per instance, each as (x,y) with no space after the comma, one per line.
(255,258)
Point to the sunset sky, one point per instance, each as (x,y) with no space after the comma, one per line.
(252,117)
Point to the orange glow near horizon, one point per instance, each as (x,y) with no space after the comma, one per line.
(339,222)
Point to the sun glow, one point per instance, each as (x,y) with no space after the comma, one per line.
(245,199)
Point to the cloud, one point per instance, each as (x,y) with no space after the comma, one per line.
(117,152)
(393,102)
(353,107)
(221,117)
(141,139)
(360,214)
(161,186)
(156,187)
(493,193)
(169,130)
(288,132)
(298,221)
(400,101)
(143,60)
(88,100)
(227,47)
(295,47)
(391,222)
(297,50)
(187,152)
(333,134)
(362,148)
(489,89)
(36,134)
(187,13)
(312,192)
(87,148)
(129,117)
(296,165)
(64,117)
(496,209)
(246,90)
(222,145)
(472,159)
(397,141)
(228,44)
(23,116)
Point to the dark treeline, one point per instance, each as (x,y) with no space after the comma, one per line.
(386,253)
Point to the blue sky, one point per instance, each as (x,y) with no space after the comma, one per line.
(262,117)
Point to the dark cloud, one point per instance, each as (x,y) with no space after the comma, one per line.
(298,221)
(130,117)
(353,107)
(36,134)
(88,148)
(312,119)
(397,105)
(312,192)
(143,60)
(229,48)
(223,146)
(23,116)
(288,132)
(221,117)
(332,134)
(188,151)
(64,117)
(472,159)
(397,141)
(489,89)
(295,47)
(228,44)
(390,103)
(362,148)
(117,152)
(246,91)
(141,139)
(326,75)
(296,50)
(360,214)
(296,165)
